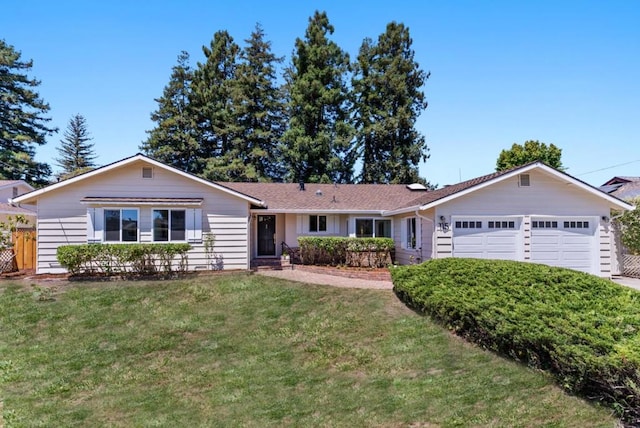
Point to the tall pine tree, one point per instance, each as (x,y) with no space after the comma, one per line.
(174,139)
(76,152)
(22,121)
(389,98)
(317,143)
(259,112)
(212,104)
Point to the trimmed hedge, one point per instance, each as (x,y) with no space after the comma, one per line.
(583,329)
(335,251)
(122,258)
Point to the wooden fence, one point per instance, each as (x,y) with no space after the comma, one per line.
(24,247)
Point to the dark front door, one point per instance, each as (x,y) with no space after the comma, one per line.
(266,235)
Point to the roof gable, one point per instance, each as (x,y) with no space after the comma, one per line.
(440,196)
(34,195)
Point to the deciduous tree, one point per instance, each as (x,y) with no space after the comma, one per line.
(530,151)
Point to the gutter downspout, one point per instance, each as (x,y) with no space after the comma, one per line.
(421,217)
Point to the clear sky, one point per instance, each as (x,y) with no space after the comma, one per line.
(502,72)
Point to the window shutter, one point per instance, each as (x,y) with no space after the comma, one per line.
(95,220)
(194,225)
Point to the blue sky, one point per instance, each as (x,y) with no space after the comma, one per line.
(502,72)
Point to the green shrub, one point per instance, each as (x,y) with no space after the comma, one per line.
(329,250)
(581,328)
(122,258)
(630,228)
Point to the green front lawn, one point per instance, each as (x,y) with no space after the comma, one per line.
(244,350)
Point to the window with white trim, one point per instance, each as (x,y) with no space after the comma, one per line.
(121,225)
(373,228)
(411,233)
(317,223)
(169,225)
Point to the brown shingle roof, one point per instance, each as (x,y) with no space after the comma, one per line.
(10,209)
(435,195)
(328,197)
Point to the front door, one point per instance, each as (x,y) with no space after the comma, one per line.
(266,235)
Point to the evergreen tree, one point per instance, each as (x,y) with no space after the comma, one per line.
(317,143)
(387,86)
(259,112)
(76,152)
(22,121)
(212,104)
(530,151)
(174,139)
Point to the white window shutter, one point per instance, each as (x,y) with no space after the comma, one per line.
(95,221)
(194,225)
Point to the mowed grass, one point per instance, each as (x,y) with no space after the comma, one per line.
(247,350)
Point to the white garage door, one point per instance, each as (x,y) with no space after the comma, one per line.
(566,242)
(488,238)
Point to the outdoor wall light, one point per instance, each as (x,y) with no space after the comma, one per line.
(442,218)
(605,218)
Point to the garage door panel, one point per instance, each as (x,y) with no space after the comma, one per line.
(545,240)
(564,246)
(488,243)
(500,240)
(576,240)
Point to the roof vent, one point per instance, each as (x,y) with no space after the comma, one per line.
(147,172)
(416,186)
(523,180)
(301,183)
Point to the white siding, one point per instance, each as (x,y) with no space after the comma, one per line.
(424,251)
(62,218)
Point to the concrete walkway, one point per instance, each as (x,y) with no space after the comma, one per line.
(334,281)
(629,282)
(338,281)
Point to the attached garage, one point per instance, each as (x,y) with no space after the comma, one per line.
(569,242)
(488,237)
(531,213)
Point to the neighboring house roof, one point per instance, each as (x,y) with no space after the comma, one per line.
(623,187)
(288,197)
(33,196)
(11,210)
(621,179)
(13,183)
(439,196)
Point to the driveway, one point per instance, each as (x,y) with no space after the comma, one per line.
(628,281)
